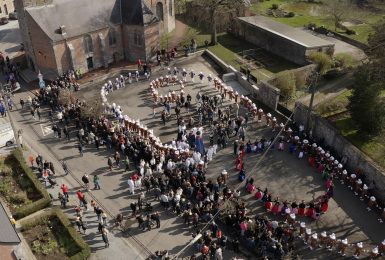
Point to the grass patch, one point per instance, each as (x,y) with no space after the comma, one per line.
(51,235)
(335,105)
(372,146)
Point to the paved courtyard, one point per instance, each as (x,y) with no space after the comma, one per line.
(283,174)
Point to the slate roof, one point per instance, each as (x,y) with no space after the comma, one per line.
(82,16)
(8,234)
(293,34)
(136,12)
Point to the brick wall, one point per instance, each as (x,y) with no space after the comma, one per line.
(44,56)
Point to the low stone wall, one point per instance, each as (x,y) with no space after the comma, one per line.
(262,91)
(323,129)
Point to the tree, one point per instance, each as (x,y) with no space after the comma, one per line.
(367,107)
(376,52)
(338,11)
(93,108)
(285,82)
(216,7)
(322,61)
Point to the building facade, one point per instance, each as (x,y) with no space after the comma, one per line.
(87,34)
(6,7)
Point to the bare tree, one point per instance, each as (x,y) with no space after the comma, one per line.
(338,11)
(215,7)
(66,97)
(93,108)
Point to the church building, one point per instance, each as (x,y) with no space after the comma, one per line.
(59,35)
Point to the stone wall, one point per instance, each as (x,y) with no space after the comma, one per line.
(323,129)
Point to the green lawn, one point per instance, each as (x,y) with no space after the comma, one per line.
(306,13)
(373,147)
(335,105)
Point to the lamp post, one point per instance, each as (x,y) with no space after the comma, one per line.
(313,83)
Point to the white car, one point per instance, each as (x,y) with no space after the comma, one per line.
(7,136)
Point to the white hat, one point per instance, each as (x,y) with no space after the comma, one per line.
(296,137)
(372,198)
(327,154)
(323,234)
(260,110)
(332,236)
(302,224)
(383,242)
(340,166)
(305,141)
(353,176)
(308,231)
(322,151)
(331,158)
(336,162)
(315,236)
(224,172)
(359,245)
(375,250)
(314,145)
(287,210)
(344,241)
(292,216)
(201,162)
(344,172)
(268,115)
(359,181)
(365,187)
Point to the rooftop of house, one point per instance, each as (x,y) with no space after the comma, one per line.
(293,34)
(81,17)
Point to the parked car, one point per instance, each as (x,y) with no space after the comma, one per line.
(3,20)
(12,16)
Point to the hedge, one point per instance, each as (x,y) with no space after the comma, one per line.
(42,203)
(84,249)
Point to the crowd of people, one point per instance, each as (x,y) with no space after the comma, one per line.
(176,173)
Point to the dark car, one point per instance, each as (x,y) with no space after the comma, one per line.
(4,20)
(12,16)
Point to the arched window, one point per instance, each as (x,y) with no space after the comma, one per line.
(112,36)
(88,46)
(170,5)
(138,38)
(159,11)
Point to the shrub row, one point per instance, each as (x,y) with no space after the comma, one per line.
(83,251)
(45,200)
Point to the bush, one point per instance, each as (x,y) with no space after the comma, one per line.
(290,14)
(322,60)
(19,198)
(274,6)
(45,200)
(5,185)
(300,79)
(79,250)
(345,60)
(285,81)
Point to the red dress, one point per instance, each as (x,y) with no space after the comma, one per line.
(275,209)
(258,195)
(268,205)
(310,212)
(311,161)
(301,212)
(324,207)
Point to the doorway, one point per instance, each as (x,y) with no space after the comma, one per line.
(90,63)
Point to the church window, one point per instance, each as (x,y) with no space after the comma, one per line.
(112,36)
(138,40)
(159,11)
(88,46)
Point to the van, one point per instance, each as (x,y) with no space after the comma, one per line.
(7,136)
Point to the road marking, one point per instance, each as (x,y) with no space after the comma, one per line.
(46,129)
